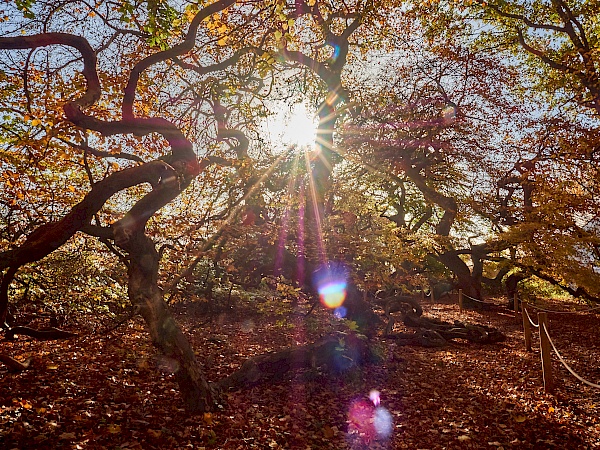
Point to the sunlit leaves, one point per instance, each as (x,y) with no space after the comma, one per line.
(25,7)
(161,17)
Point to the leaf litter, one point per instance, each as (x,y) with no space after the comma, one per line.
(113,391)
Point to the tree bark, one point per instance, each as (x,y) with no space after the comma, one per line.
(464,279)
(166,335)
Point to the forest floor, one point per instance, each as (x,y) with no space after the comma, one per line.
(104,391)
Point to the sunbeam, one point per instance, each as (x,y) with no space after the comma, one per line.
(283,232)
(316,212)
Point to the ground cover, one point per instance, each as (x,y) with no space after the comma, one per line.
(104,391)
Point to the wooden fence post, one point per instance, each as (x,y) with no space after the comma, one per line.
(460,300)
(545,351)
(526,328)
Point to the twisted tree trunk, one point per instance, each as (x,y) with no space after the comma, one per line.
(165,333)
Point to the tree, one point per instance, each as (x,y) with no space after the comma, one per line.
(168,175)
(427,133)
(137,126)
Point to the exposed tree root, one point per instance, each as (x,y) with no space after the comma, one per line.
(435,333)
(336,352)
(14,365)
(46,334)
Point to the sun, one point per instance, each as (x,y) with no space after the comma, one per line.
(300,129)
(293,126)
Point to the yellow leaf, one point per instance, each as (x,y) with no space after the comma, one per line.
(278,34)
(208,418)
(520,418)
(71,188)
(114,429)
(36,122)
(551,410)
(222,41)
(52,367)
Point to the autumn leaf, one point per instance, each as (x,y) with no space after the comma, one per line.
(67,436)
(328,432)
(113,428)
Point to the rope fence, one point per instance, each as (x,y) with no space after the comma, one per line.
(547,346)
(564,363)
(561,312)
(461,300)
(546,343)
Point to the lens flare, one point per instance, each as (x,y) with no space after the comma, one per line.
(367,421)
(383,422)
(448,114)
(330,282)
(340,312)
(375,397)
(333,295)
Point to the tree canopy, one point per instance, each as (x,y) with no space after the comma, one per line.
(455,141)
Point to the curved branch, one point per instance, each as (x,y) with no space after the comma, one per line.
(90,60)
(101,154)
(51,236)
(203,70)
(177,50)
(448,204)
(540,54)
(527,21)
(181,147)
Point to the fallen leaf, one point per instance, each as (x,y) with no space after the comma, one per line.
(114,429)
